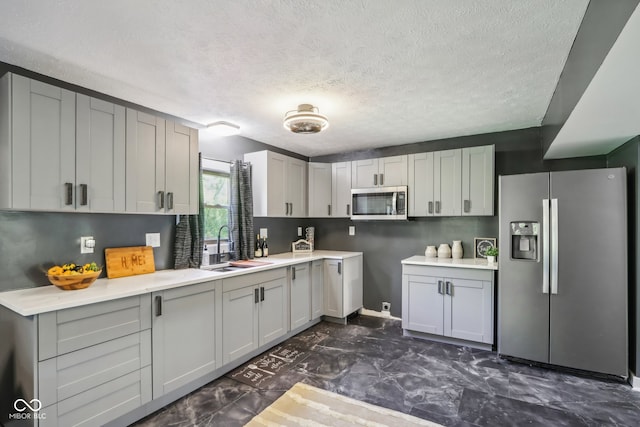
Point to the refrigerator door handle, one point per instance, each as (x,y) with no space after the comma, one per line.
(545,246)
(554,246)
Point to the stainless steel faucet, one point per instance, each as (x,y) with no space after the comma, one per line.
(218,254)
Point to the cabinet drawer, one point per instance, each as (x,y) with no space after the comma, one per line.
(64,331)
(70,374)
(101,404)
(239,282)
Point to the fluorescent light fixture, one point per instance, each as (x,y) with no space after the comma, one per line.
(306,119)
(223,128)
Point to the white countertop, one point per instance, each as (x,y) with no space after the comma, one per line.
(477,263)
(28,302)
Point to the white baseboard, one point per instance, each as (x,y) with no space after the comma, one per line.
(385,314)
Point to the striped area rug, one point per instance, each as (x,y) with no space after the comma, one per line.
(304,405)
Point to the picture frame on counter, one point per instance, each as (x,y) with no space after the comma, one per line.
(302,246)
(481,244)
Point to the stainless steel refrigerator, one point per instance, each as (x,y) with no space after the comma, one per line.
(562,271)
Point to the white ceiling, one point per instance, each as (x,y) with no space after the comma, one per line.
(385,72)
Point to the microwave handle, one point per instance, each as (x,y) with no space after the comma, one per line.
(394,203)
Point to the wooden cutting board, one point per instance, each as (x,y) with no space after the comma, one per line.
(130,261)
(249,263)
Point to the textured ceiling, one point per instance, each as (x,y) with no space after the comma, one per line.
(384,72)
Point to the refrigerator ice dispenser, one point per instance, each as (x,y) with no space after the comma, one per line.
(524,240)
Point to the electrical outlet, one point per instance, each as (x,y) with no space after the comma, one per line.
(352,230)
(153,239)
(299,231)
(386,306)
(87,244)
(263,233)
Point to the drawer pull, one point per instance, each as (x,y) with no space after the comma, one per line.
(158,305)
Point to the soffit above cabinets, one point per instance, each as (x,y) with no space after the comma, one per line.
(383,72)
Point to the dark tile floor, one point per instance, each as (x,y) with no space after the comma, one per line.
(370,360)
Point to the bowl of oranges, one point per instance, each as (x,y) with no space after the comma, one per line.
(71,276)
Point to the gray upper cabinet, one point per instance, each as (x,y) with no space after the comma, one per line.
(279,184)
(421,201)
(182,169)
(447,182)
(341,189)
(37,145)
(478,180)
(300,294)
(100,155)
(385,171)
(184,328)
(320,190)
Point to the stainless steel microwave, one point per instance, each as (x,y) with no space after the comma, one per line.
(379,203)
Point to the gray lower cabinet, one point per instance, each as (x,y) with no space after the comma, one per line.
(184,335)
(449,302)
(342,286)
(255,311)
(94,361)
(300,294)
(317,289)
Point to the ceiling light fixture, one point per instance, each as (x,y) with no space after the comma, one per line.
(306,119)
(223,129)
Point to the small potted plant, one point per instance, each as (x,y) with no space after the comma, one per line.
(491,254)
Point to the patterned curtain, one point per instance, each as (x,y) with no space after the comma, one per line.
(189,241)
(241,211)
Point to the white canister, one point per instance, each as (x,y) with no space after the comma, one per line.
(444,251)
(430,252)
(456,250)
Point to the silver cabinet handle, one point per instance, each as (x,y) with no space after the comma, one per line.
(339,267)
(158,305)
(348,210)
(440,291)
(375,179)
(381,179)
(448,288)
(170,200)
(261,293)
(161,199)
(467,206)
(84,195)
(554,246)
(430,207)
(286,208)
(328,210)
(438,206)
(291,210)
(256,295)
(545,246)
(68,199)
(293,273)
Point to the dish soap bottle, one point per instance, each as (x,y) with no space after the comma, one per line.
(205,256)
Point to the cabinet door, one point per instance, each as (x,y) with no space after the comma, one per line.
(300,295)
(364,173)
(468,310)
(392,171)
(274,314)
(145,163)
(319,190)
(351,284)
(181,169)
(277,190)
(239,322)
(333,298)
(341,189)
(183,333)
(317,289)
(297,187)
(420,184)
(43,145)
(447,187)
(422,304)
(100,155)
(477,180)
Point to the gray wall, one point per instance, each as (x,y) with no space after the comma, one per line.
(31,242)
(385,244)
(628,156)
(603,21)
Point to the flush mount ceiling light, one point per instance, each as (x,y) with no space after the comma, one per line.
(223,129)
(306,119)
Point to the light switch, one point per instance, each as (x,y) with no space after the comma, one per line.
(153,239)
(352,230)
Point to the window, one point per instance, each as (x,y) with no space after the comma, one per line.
(215,185)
